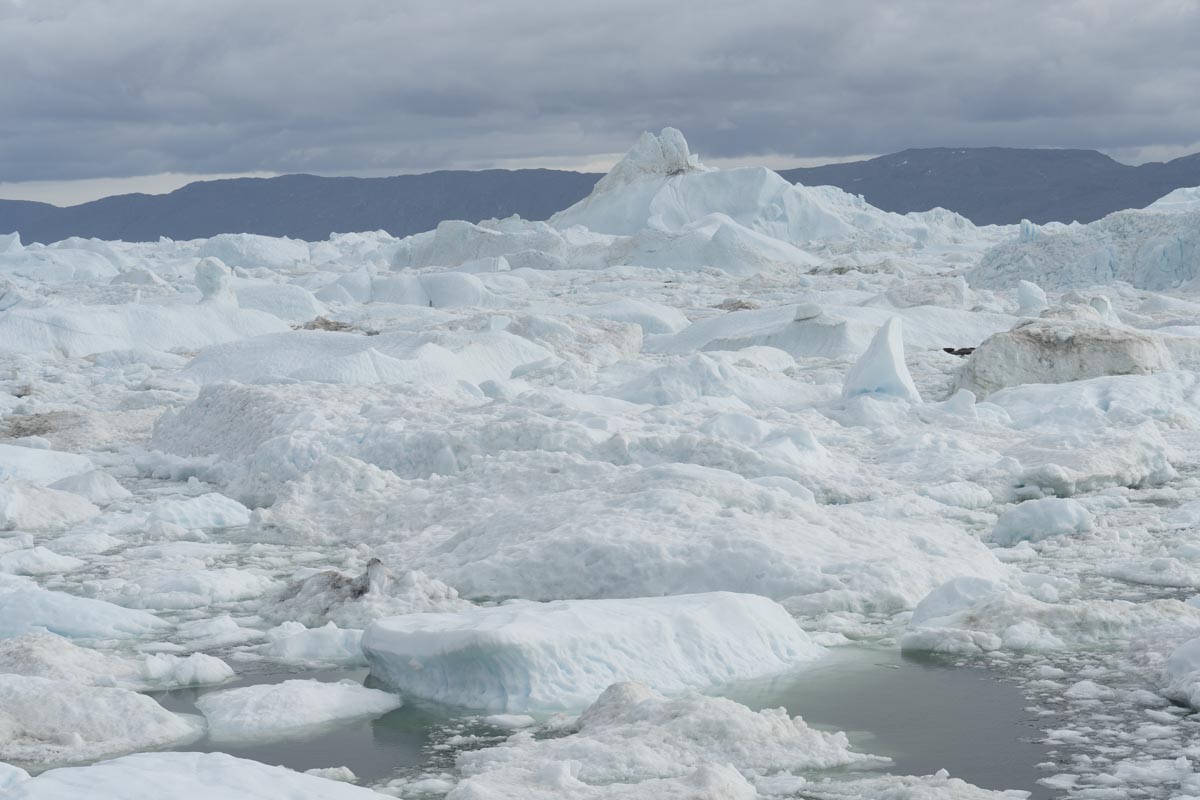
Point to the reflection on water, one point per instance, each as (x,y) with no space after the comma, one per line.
(922,713)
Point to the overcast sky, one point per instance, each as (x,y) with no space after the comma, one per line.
(123,95)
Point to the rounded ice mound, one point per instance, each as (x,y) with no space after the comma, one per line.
(1064,344)
(288,709)
(96,486)
(45,721)
(952,597)
(28,608)
(153,776)
(1183,673)
(1035,520)
(253,250)
(29,507)
(525,656)
(654,747)
(1031,300)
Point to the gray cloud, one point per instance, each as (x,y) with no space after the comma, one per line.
(111,88)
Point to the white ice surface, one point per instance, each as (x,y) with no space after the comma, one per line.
(186,776)
(292,708)
(528,656)
(255,437)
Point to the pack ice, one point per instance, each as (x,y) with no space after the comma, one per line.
(698,428)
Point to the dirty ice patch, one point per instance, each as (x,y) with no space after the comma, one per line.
(45,722)
(355,601)
(289,709)
(531,656)
(29,507)
(1065,344)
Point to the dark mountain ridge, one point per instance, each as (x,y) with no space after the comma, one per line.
(985,184)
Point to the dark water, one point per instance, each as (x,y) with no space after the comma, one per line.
(373,749)
(924,714)
(921,712)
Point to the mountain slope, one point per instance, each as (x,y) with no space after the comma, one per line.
(305,206)
(986,185)
(1005,185)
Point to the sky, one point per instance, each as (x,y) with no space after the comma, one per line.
(105,96)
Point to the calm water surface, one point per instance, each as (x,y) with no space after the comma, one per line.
(924,714)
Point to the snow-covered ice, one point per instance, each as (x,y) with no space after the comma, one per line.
(188,776)
(696,427)
(292,708)
(45,721)
(562,655)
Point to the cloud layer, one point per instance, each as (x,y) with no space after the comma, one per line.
(114,88)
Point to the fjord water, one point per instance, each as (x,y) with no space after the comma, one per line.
(923,713)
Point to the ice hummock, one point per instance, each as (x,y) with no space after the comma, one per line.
(186,776)
(654,746)
(48,722)
(1066,343)
(545,656)
(289,709)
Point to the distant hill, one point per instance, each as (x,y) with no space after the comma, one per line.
(986,185)
(1005,185)
(304,206)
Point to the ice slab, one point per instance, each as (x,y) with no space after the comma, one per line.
(184,776)
(524,656)
(292,708)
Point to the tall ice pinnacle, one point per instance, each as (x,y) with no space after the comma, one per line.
(881,369)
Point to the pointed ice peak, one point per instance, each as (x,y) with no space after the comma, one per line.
(11,242)
(653,156)
(881,369)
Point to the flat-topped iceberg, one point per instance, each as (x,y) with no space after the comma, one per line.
(545,656)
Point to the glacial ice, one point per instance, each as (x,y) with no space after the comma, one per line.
(539,657)
(639,744)
(188,776)
(686,384)
(881,369)
(48,722)
(292,708)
